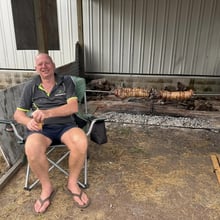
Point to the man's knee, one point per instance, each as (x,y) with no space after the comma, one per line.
(76,139)
(35,146)
(80,141)
(32,151)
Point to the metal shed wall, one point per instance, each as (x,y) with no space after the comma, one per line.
(11,58)
(164,37)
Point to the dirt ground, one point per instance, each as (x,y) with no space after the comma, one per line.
(143,172)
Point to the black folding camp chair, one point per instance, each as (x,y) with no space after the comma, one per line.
(84,120)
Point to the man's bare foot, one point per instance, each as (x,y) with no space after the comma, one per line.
(42,204)
(80,198)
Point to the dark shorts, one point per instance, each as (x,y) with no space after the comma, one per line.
(54,132)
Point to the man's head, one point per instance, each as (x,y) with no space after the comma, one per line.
(44,65)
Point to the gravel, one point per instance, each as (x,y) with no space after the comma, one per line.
(167,121)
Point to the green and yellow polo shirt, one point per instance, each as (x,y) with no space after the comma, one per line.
(35,97)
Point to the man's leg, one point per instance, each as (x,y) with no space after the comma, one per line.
(76,141)
(35,148)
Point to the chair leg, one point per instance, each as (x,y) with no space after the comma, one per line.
(26,185)
(55,164)
(27,178)
(86,173)
(83,184)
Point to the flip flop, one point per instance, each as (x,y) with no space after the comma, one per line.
(42,201)
(85,205)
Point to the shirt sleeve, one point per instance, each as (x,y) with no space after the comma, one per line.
(25,103)
(70,88)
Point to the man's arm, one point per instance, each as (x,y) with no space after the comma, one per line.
(21,117)
(68,109)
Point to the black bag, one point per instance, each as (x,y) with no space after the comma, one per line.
(98,134)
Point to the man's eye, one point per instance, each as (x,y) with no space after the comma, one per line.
(41,64)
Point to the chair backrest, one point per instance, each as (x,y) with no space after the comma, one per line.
(80,89)
(80,86)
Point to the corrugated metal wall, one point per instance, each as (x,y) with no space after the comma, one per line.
(168,37)
(11,58)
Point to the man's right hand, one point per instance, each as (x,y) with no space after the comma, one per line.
(32,125)
(39,115)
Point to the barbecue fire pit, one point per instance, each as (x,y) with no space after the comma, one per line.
(175,107)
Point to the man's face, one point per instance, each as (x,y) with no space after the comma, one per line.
(44,66)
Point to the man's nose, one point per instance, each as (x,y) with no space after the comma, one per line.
(44,64)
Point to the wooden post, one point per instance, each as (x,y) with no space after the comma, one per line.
(80,35)
(41,25)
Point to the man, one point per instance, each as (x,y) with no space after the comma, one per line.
(53,102)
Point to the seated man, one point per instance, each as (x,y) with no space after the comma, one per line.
(53,102)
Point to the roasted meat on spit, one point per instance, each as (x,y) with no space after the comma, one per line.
(166,95)
(131,92)
(176,95)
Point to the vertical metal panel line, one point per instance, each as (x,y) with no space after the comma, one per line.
(100,36)
(131,36)
(217,59)
(122,36)
(142,37)
(164,37)
(111,29)
(198,36)
(210,34)
(153,36)
(175,35)
(186,37)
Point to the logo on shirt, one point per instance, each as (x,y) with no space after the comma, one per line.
(60,93)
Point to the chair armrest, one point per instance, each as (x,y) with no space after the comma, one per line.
(4,121)
(92,122)
(12,128)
